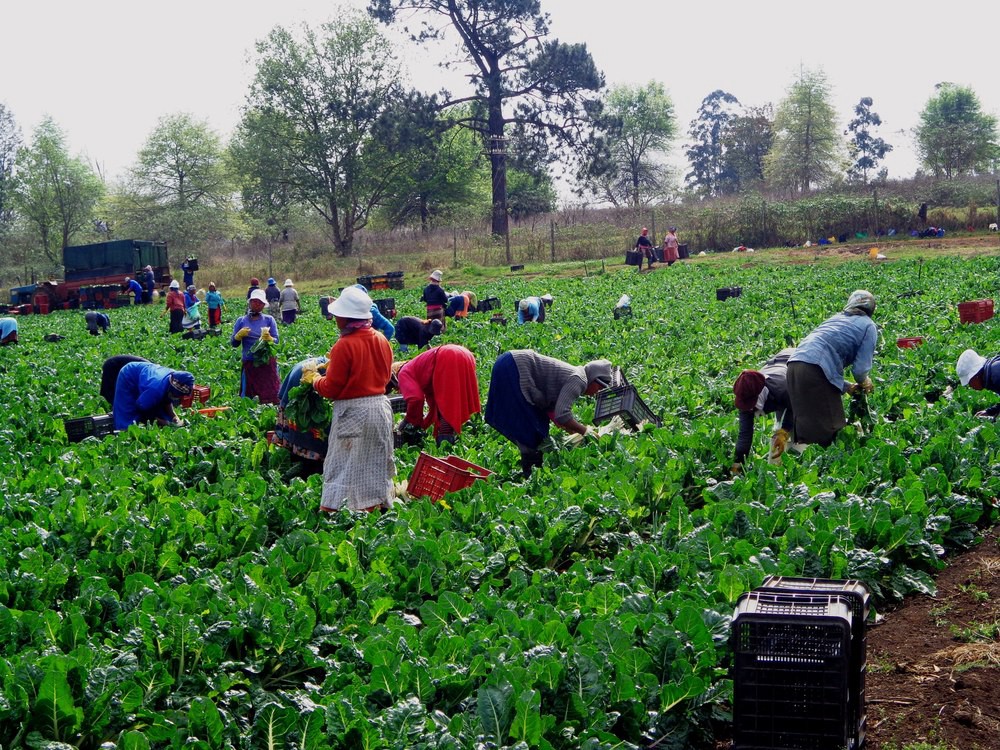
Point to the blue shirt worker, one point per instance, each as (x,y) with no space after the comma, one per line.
(8,331)
(95,321)
(188,273)
(258,378)
(135,289)
(816,371)
(379,322)
(980,374)
(147,392)
(531,309)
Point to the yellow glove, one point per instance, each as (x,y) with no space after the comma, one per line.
(736,469)
(779,441)
(265,335)
(242,333)
(308,376)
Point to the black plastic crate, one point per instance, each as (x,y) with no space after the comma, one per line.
(728,292)
(395,283)
(398,404)
(792,673)
(386,306)
(623,400)
(856,596)
(395,274)
(366,282)
(488,303)
(623,312)
(98,425)
(192,264)
(499,319)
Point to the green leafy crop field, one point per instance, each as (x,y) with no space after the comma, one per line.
(173,588)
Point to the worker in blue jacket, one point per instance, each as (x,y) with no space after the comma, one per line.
(979,373)
(134,288)
(148,392)
(379,322)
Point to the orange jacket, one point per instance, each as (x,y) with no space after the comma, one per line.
(360,365)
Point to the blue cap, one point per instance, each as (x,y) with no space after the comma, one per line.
(270,282)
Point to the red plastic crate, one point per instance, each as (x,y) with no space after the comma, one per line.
(975,311)
(435,477)
(200,393)
(910,343)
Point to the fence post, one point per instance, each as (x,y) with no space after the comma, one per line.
(653,224)
(454,251)
(552,238)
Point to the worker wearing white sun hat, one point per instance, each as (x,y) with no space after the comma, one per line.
(979,373)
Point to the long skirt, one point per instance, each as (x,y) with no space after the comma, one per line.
(260,382)
(288,316)
(817,405)
(508,411)
(358,469)
(215,316)
(109,374)
(176,316)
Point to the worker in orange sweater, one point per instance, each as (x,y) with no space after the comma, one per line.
(358,468)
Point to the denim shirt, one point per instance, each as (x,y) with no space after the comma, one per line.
(837,342)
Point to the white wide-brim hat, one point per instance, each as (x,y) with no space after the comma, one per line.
(352,303)
(968,365)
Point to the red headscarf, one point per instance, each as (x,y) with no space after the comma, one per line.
(747,389)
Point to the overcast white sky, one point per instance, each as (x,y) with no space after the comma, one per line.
(106,70)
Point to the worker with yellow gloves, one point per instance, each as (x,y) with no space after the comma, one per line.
(259,376)
(759,392)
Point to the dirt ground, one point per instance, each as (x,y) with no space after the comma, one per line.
(934,662)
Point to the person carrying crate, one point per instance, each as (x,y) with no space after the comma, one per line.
(148,392)
(759,392)
(528,389)
(443,378)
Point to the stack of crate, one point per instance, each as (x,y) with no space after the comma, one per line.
(799,665)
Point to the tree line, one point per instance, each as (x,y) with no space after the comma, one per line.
(330,132)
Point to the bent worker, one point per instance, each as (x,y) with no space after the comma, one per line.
(254,332)
(531,309)
(134,288)
(306,442)
(979,373)
(358,468)
(109,374)
(759,392)
(95,321)
(148,392)
(443,378)
(8,331)
(460,305)
(816,370)
(411,331)
(527,389)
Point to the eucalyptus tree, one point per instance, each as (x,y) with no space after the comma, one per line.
(808,150)
(10,143)
(866,148)
(707,151)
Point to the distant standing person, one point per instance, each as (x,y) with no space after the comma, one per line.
(149,284)
(670,245)
(645,246)
(288,300)
(215,303)
(358,468)
(434,297)
(188,273)
(273,297)
(816,370)
(254,285)
(527,389)
(257,379)
(175,306)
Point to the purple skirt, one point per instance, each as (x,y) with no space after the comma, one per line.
(288,316)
